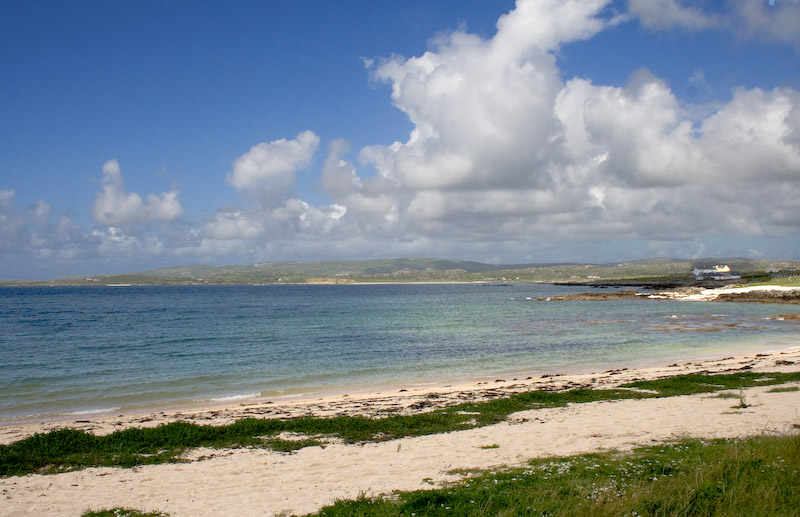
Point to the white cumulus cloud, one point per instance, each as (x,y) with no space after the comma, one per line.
(273,165)
(339,177)
(115,206)
(503,146)
(482,109)
(506,155)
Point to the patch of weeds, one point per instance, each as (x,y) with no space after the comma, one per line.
(742,401)
(492,446)
(690,384)
(289,446)
(464,472)
(362,506)
(122,512)
(784,389)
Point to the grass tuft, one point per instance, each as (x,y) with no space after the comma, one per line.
(742,401)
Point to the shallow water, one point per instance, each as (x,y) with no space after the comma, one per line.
(87,350)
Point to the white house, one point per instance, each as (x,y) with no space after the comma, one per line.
(718,272)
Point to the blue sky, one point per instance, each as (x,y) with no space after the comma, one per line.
(164,132)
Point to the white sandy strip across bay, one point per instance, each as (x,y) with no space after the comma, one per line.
(259,482)
(708,295)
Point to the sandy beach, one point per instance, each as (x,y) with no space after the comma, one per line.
(261,482)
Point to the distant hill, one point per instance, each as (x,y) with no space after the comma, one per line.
(298,272)
(427,270)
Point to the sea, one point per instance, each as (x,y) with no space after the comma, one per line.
(75,352)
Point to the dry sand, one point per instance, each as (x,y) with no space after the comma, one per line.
(258,482)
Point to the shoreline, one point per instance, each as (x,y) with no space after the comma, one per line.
(289,405)
(406,400)
(251,481)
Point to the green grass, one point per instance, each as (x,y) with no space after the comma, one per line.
(69,449)
(755,476)
(784,389)
(700,383)
(792,281)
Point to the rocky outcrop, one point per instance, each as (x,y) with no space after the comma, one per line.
(612,295)
(753,294)
(761,297)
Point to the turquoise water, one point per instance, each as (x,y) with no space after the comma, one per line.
(84,350)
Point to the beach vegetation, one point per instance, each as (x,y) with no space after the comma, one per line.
(122,512)
(69,449)
(279,444)
(742,401)
(791,281)
(753,476)
(784,389)
(690,384)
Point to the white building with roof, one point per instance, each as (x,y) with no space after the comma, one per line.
(717,272)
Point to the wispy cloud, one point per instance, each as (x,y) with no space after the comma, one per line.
(747,19)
